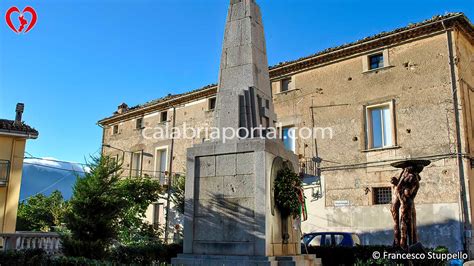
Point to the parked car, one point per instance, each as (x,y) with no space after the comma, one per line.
(329,239)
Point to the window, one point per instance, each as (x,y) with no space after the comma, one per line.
(286,84)
(4,171)
(289,139)
(382,195)
(136,164)
(158,215)
(338,239)
(115,130)
(355,239)
(161,165)
(328,240)
(380,126)
(316,241)
(212,103)
(115,160)
(375,61)
(139,123)
(306,238)
(164,116)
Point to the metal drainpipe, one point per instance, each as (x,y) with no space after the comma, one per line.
(170,175)
(131,165)
(463,196)
(141,164)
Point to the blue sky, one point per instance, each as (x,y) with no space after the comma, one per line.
(83,58)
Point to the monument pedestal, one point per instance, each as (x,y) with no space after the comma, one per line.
(214,260)
(230,215)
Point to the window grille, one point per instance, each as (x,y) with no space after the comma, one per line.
(382,195)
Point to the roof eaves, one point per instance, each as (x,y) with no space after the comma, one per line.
(374,38)
(28,134)
(155,104)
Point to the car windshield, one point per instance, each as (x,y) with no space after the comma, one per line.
(306,238)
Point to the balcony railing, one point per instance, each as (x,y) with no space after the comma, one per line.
(310,166)
(162,178)
(49,242)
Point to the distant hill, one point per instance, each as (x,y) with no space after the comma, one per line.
(47,175)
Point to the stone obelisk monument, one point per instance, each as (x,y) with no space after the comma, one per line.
(230,215)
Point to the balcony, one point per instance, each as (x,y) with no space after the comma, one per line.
(49,242)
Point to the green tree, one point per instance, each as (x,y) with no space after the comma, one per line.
(177,192)
(41,212)
(105,208)
(139,193)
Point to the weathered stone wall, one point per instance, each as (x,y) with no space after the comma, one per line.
(193,115)
(417,80)
(464,62)
(130,139)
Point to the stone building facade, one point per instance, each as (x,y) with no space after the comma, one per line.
(403,94)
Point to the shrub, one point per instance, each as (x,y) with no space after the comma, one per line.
(137,254)
(24,257)
(177,192)
(149,254)
(145,254)
(77,248)
(41,213)
(39,257)
(170,251)
(75,261)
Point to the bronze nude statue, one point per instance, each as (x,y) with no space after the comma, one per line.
(404,190)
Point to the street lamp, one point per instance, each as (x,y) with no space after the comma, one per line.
(115,148)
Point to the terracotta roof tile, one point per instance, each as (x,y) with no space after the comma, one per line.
(9,126)
(373,37)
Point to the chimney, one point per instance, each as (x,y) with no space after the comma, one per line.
(122,108)
(20,107)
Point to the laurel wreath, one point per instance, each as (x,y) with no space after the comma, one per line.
(286,185)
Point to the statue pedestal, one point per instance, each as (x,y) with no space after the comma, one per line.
(229,208)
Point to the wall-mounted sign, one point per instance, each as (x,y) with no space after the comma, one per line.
(341,203)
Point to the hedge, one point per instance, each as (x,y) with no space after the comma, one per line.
(151,254)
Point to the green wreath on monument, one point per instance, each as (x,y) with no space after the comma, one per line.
(287,186)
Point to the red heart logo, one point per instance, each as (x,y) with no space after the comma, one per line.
(23,21)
